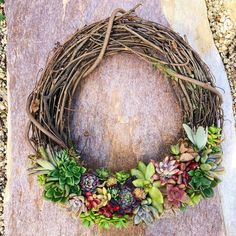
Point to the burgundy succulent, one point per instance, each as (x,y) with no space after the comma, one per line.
(108,210)
(175,195)
(91,201)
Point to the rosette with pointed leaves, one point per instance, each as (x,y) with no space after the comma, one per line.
(166,169)
(126,199)
(89,182)
(76,205)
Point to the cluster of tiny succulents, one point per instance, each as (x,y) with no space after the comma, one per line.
(145,193)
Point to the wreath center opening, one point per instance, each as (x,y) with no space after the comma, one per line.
(124,111)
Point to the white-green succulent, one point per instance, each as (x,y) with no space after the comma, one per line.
(146,214)
(198,138)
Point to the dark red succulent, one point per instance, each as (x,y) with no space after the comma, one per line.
(91,201)
(175,195)
(108,210)
(186,167)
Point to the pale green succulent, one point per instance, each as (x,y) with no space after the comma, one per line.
(145,213)
(144,180)
(45,164)
(198,138)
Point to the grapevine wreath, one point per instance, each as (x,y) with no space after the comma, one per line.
(187,174)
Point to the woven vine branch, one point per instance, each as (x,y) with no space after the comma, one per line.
(49,105)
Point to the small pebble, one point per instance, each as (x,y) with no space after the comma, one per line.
(224,34)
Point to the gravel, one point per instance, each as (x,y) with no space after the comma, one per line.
(224,34)
(3,116)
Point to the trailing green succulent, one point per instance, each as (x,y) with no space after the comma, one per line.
(198,138)
(102,173)
(145,213)
(90,217)
(144,180)
(122,176)
(59,175)
(214,139)
(201,184)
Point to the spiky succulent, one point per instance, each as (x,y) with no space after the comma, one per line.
(89,182)
(166,169)
(145,213)
(126,199)
(139,193)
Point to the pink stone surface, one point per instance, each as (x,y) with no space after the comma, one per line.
(128,109)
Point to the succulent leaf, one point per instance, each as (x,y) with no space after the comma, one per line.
(150,171)
(142,167)
(156,195)
(201,138)
(138,183)
(189,133)
(137,173)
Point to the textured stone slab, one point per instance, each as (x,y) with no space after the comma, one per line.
(121,106)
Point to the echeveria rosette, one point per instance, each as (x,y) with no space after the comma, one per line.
(176,196)
(89,182)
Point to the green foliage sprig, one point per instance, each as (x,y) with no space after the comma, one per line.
(92,217)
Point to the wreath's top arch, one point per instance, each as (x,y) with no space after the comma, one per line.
(49,104)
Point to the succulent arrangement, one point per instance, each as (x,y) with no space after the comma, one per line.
(186,175)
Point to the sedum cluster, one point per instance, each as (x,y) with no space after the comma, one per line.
(184,177)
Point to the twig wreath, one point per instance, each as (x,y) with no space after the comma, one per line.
(187,174)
